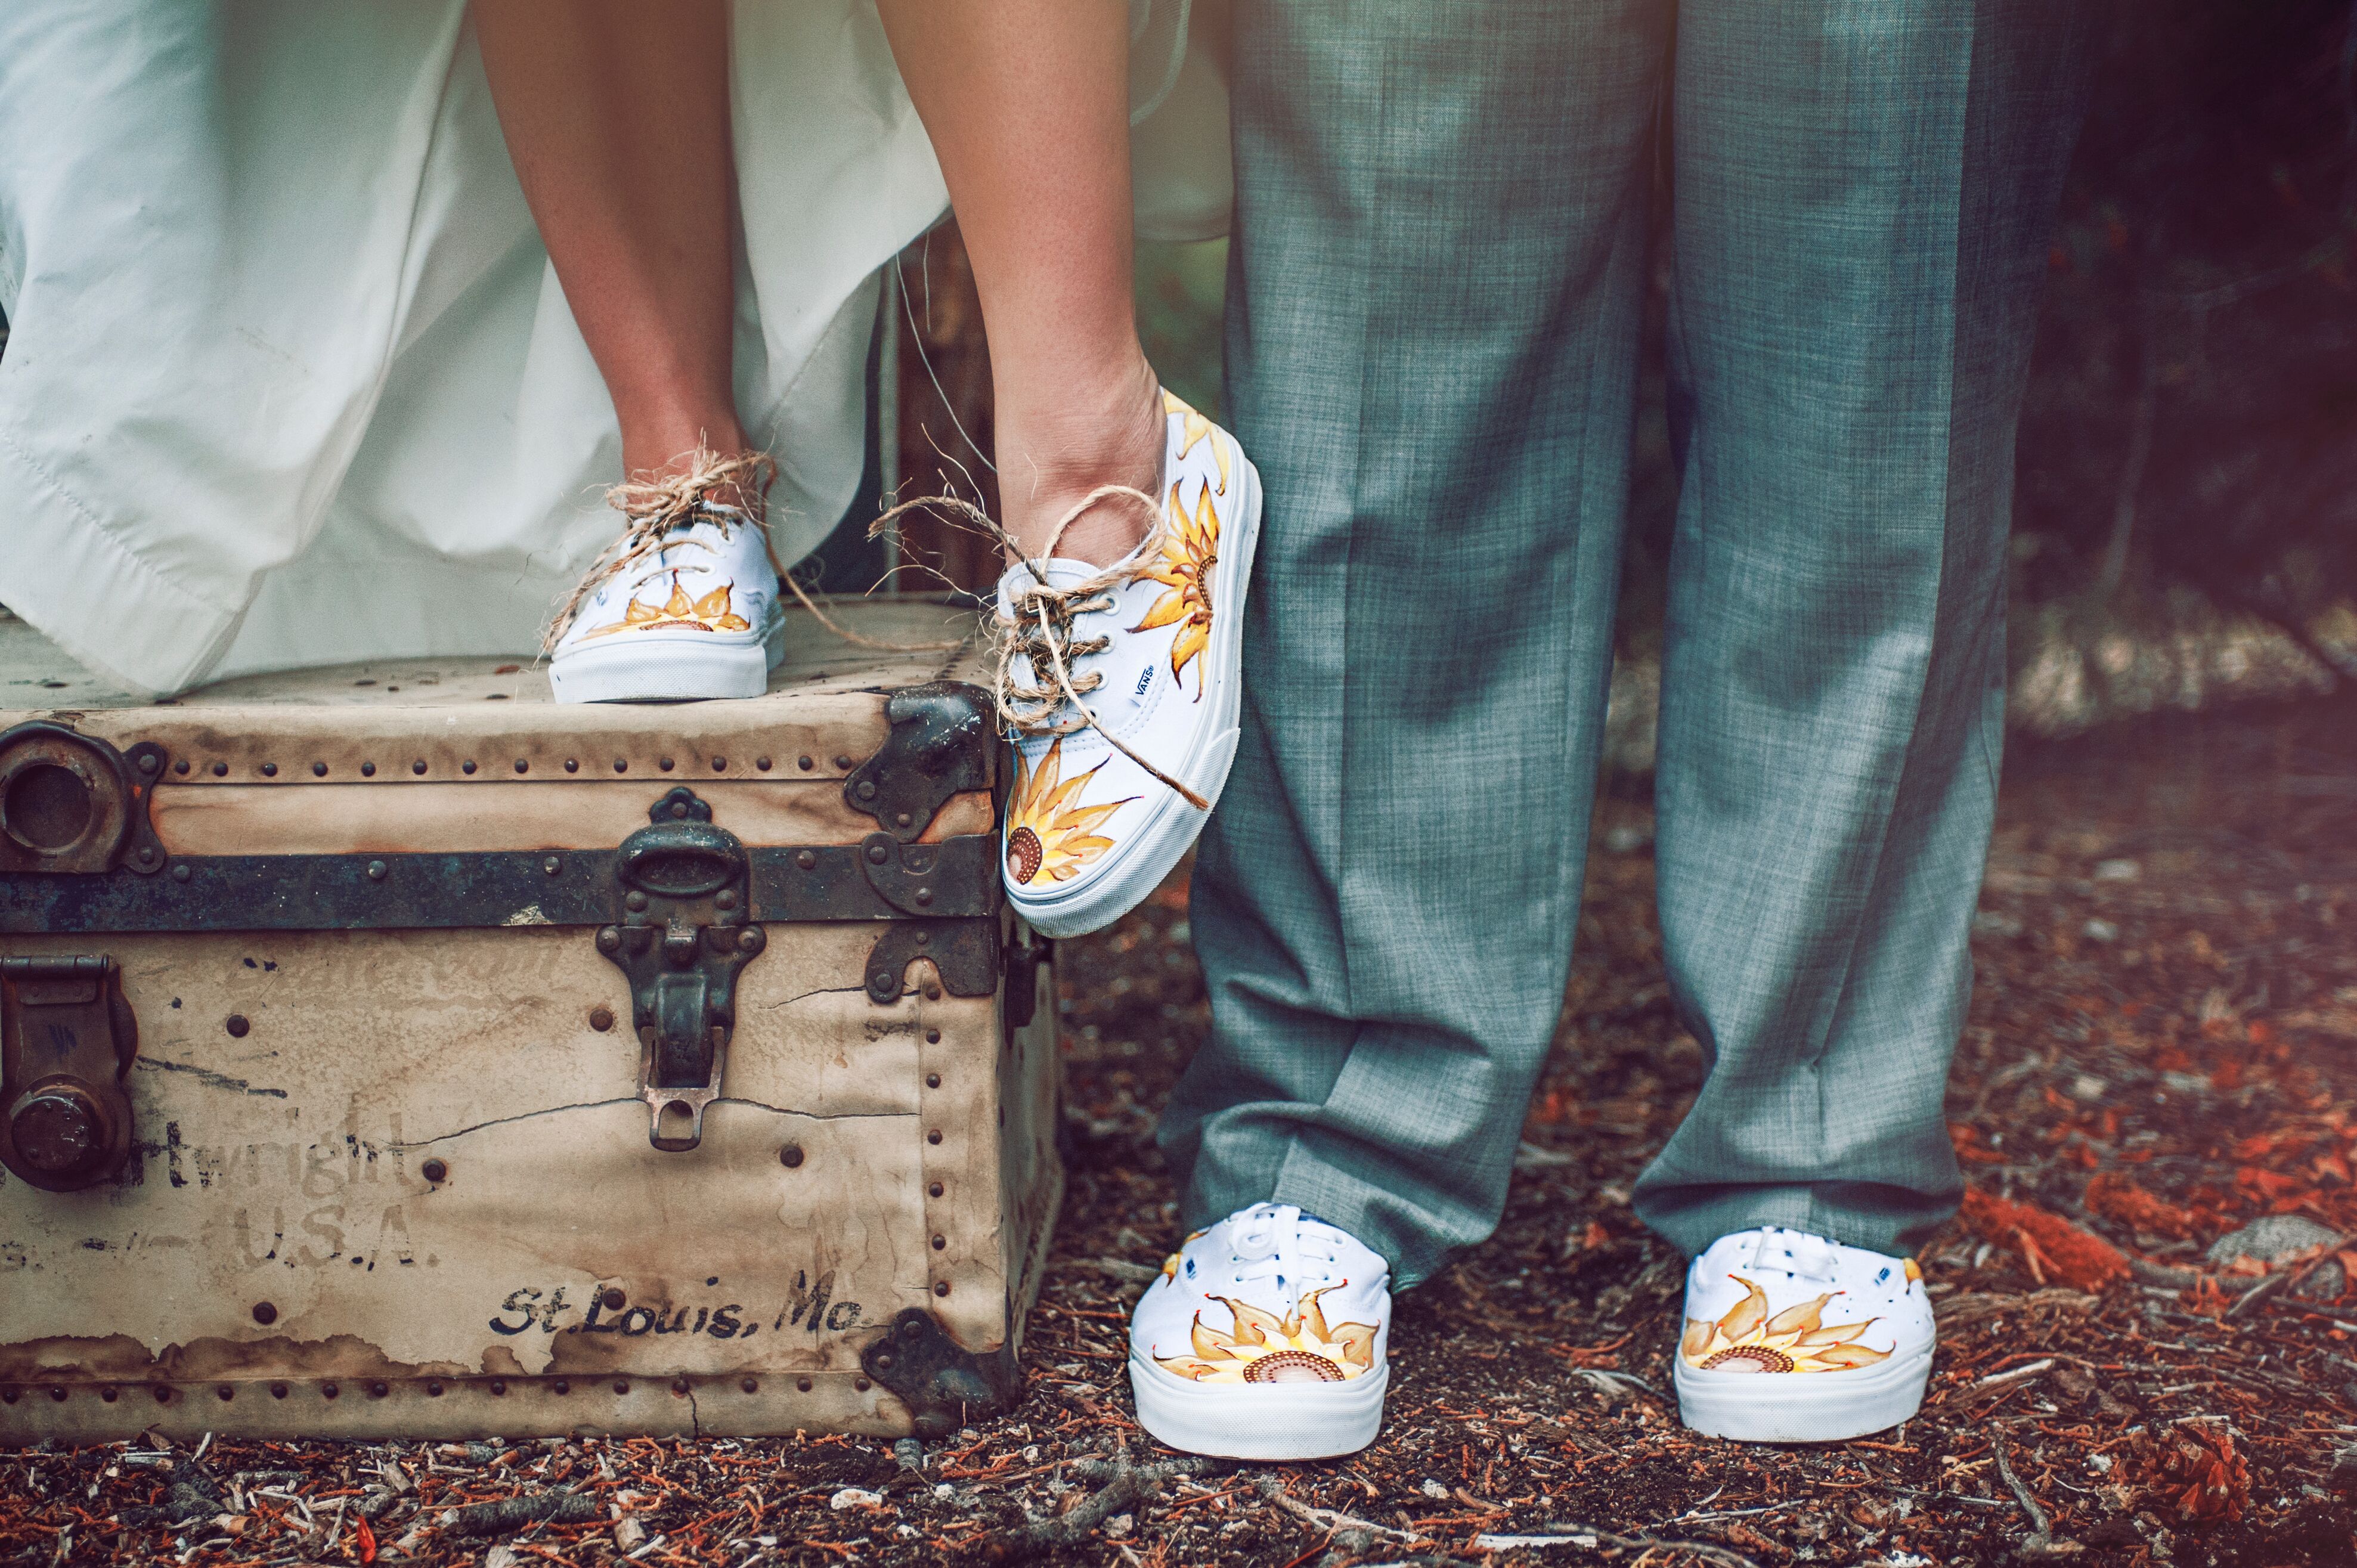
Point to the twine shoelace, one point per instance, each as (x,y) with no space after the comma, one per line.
(1038,629)
(656,507)
(1038,626)
(659,507)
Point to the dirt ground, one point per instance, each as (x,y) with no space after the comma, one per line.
(2163,1050)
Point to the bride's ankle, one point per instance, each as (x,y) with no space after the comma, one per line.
(1050,459)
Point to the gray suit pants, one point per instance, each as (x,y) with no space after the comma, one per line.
(1433,312)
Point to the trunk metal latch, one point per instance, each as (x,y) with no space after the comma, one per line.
(67,1042)
(683,934)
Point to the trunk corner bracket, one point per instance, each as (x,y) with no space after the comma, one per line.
(683,933)
(944,1385)
(939,746)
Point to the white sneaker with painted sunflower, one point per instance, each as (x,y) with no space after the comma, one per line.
(1792,1338)
(1265,1337)
(683,607)
(1155,654)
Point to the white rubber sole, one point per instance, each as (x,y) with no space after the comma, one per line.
(1259,1420)
(666,667)
(1125,879)
(1801,1407)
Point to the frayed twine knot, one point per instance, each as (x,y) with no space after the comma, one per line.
(659,505)
(1038,626)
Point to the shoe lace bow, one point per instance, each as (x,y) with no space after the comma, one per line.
(1271,1241)
(1037,628)
(656,508)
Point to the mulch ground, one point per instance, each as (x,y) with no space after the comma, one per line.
(2163,1051)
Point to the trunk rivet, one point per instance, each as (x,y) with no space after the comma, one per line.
(679,1385)
(418,766)
(265,1313)
(749,1386)
(562,1386)
(941,1243)
(181,873)
(932,1079)
(220,769)
(876,854)
(720,765)
(236,1025)
(663,763)
(803,1384)
(867,791)
(163,1394)
(573,765)
(329,1390)
(432,1170)
(622,1385)
(861,1384)
(791,1155)
(110,1394)
(601,1018)
(376,871)
(934,1190)
(499,1385)
(278,1390)
(433,1390)
(934,1137)
(378,1390)
(319,770)
(634,900)
(468,766)
(807,860)
(612,1300)
(181,767)
(924,895)
(725,899)
(368,770)
(804,763)
(843,762)
(621,764)
(609,939)
(270,770)
(762,763)
(749,939)
(552,865)
(524,765)
(940,1287)
(225,1392)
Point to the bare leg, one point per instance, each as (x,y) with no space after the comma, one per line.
(616,113)
(1027,104)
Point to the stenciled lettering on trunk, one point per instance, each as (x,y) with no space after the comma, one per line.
(808,1305)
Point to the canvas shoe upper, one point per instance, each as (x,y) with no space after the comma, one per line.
(674,612)
(1789,1337)
(1154,655)
(1265,1337)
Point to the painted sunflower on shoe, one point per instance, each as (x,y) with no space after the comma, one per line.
(1263,1348)
(1190,548)
(1797,1339)
(679,613)
(1048,833)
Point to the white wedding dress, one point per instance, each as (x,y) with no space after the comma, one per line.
(289,379)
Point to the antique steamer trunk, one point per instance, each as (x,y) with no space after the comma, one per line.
(389,1051)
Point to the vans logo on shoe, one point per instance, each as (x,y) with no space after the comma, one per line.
(1144,678)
